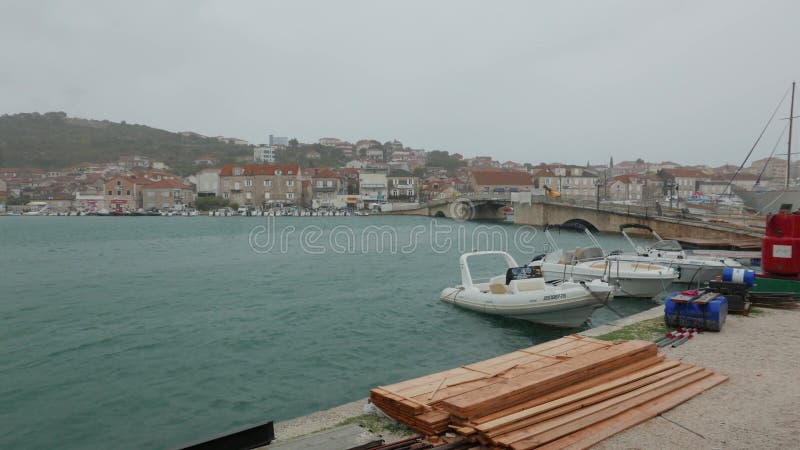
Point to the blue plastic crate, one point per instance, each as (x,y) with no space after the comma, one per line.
(710,316)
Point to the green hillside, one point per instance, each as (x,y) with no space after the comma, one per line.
(54,140)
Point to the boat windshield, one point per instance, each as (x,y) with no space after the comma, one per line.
(670,246)
(587,253)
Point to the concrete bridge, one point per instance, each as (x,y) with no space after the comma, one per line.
(608,219)
(541,211)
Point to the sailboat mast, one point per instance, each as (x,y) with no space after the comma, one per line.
(789,150)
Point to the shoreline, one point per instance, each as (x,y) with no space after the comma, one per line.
(757,352)
(317,421)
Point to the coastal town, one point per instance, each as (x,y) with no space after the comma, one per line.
(372,176)
(448,225)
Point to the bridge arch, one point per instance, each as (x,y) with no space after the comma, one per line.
(581,222)
(439,214)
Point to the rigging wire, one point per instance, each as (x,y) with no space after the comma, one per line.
(756,142)
(763,169)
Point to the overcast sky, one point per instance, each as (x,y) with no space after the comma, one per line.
(691,81)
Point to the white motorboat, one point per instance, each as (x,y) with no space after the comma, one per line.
(629,278)
(37,209)
(520,294)
(691,268)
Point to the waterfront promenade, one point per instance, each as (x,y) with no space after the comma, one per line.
(755,408)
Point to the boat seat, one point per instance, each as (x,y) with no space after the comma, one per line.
(497,285)
(531,284)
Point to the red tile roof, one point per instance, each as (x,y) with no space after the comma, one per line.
(168,184)
(627,179)
(544,173)
(685,173)
(324,173)
(260,169)
(497,177)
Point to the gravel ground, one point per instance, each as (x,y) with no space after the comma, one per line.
(757,408)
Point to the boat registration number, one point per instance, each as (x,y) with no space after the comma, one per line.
(555,297)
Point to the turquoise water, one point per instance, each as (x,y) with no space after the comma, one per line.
(151,332)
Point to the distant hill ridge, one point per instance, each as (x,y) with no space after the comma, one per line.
(54,140)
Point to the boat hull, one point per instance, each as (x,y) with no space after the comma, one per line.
(569,309)
(689,271)
(625,286)
(769,202)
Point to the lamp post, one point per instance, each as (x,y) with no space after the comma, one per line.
(598,184)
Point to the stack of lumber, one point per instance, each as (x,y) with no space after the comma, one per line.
(571,392)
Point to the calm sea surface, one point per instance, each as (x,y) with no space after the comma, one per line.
(151,332)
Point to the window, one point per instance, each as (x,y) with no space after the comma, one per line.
(119,183)
(278,171)
(290,183)
(238,171)
(330,183)
(237,186)
(151,194)
(128,192)
(268,183)
(266,195)
(320,183)
(395,192)
(110,193)
(248,195)
(409,182)
(410,192)
(119,192)
(290,195)
(165,194)
(226,195)
(248,183)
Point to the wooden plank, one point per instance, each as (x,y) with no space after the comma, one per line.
(457,389)
(583,403)
(548,361)
(577,387)
(439,386)
(409,405)
(464,374)
(530,412)
(403,386)
(705,298)
(551,430)
(426,384)
(600,431)
(499,396)
(570,419)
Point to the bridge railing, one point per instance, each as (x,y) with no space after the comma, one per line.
(728,220)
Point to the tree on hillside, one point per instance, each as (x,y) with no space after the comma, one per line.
(54,140)
(437,158)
